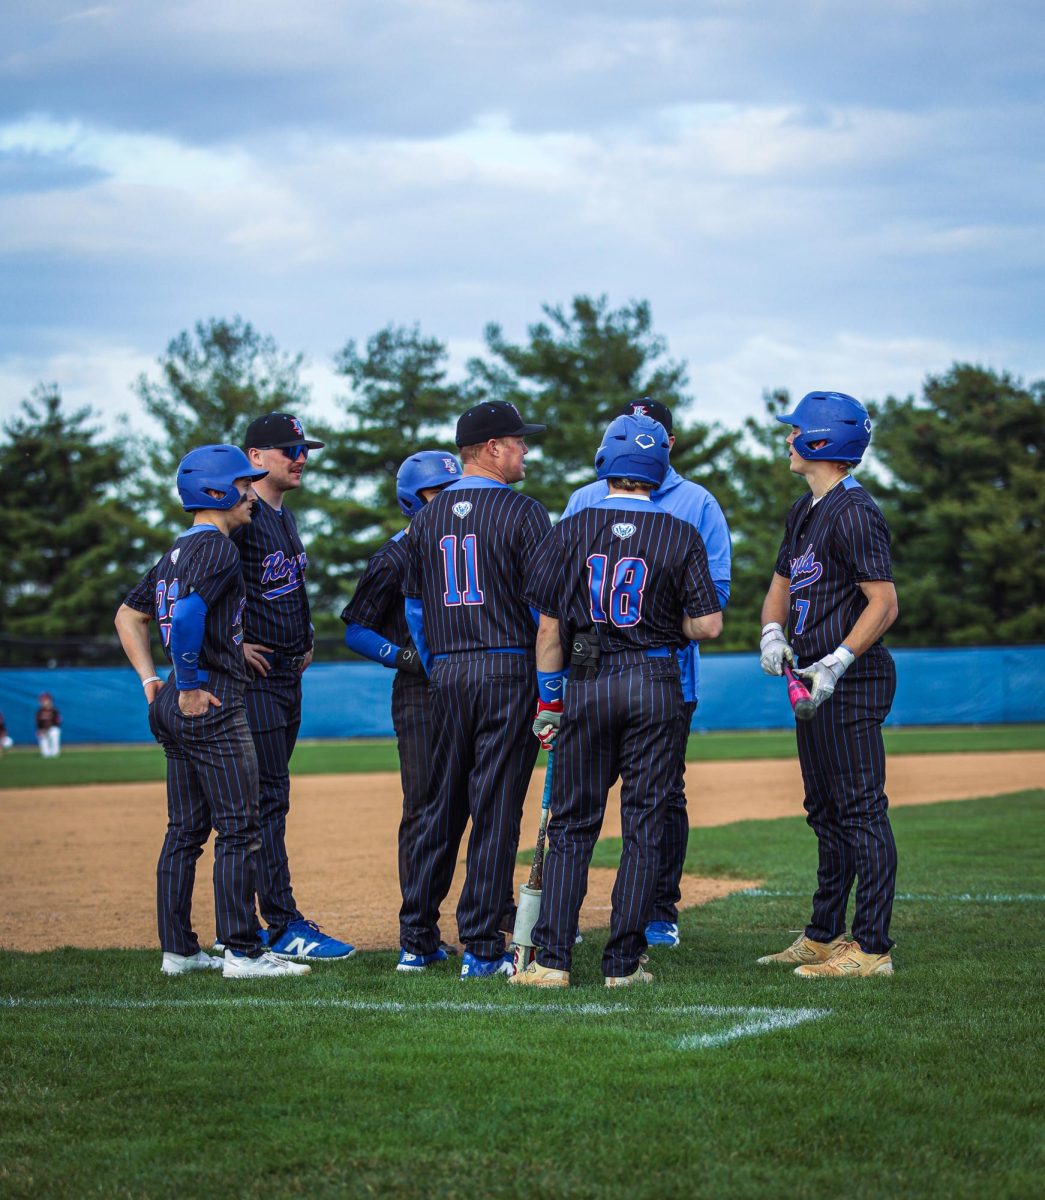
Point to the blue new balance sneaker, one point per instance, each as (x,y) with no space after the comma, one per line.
(479,968)
(418,962)
(662,933)
(304,940)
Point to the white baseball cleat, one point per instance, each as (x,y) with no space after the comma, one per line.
(265,966)
(182,964)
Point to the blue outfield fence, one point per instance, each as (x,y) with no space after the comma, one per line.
(977,686)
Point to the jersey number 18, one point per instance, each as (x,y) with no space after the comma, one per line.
(629,578)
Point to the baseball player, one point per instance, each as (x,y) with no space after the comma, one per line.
(277,645)
(48,727)
(376,628)
(833,589)
(624,584)
(468,551)
(693,503)
(196,596)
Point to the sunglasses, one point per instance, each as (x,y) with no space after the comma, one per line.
(291,452)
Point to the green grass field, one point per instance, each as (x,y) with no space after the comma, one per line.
(136,764)
(723,1080)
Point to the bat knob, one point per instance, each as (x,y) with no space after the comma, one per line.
(805,710)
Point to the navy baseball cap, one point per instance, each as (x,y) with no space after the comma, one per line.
(492,419)
(645,407)
(276,430)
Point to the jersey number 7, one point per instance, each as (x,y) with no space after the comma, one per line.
(629,578)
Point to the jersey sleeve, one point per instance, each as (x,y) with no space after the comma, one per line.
(542,584)
(213,570)
(713,529)
(862,542)
(699,598)
(377,591)
(142,597)
(412,567)
(532,531)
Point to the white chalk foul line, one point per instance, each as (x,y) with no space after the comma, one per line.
(752,1022)
(955,898)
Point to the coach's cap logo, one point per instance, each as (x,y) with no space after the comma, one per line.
(461,509)
(645,441)
(623,529)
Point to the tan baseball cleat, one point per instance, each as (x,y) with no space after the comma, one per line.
(537,976)
(848,961)
(639,976)
(804,950)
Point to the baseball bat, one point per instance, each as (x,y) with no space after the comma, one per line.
(529,908)
(537,869)
(798,694)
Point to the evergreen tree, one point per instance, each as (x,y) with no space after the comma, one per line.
(399,402)
(213,382)
(966,506)
(70,547)
(575,373)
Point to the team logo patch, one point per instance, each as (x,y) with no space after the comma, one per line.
(450,465)
(175,555)
(623,529)
(645,442)
(297,427)
(461,509)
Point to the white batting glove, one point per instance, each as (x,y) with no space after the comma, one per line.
(823,676)
(775,649)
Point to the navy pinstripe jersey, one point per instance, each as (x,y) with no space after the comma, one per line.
(468,552)
(274,562)
(377,603)
(828,550)
(205,561)
(629,568)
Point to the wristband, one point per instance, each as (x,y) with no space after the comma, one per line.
(845,656)
(549,686)
(151,679)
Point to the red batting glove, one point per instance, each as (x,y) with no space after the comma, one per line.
(546,722)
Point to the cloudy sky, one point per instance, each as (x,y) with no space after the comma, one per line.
(810,194)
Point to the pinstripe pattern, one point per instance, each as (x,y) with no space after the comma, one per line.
(273,707)
(828,550)
(377,604)
(675,842)
(843,768)
(483,756)
(212,782)
(623,719)
(508,527)
(619,721)
(274,565)
(414,727)
(212,771)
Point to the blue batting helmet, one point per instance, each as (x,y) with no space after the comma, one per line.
(216,468)
(834,418)
(633,448)
(425,469)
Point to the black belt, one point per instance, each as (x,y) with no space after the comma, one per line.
(284,662)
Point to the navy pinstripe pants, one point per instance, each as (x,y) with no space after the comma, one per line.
(414,730)
(619,720)
(273,706)
(212,782)
(482,759)
(675,842)
(843,768)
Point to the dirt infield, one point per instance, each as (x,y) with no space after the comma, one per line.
(79,863)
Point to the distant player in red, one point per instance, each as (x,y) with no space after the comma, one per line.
(48,727)
(833,589)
